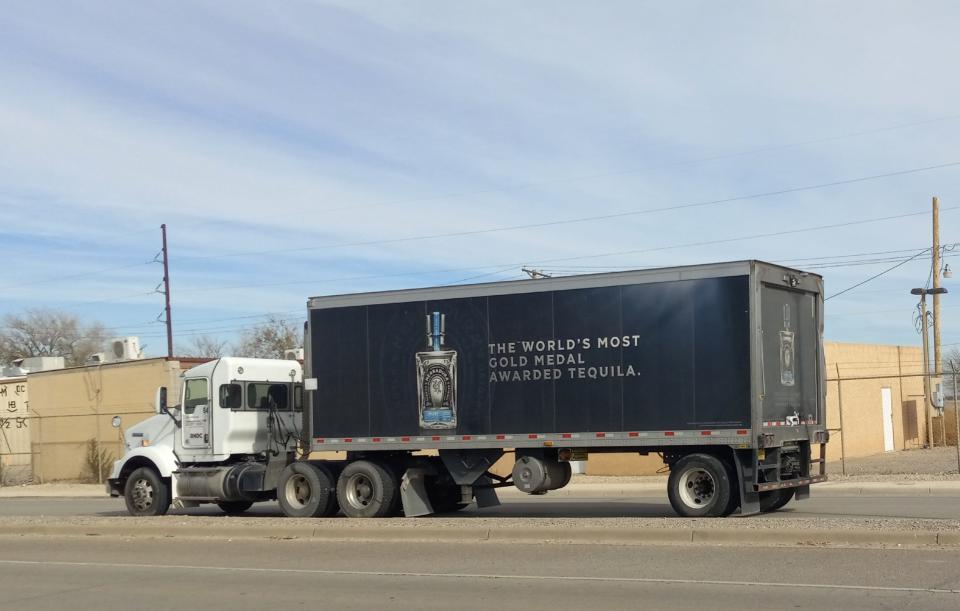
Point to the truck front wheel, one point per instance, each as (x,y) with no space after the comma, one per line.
(699,486)
(307,491)
(146,493)
(367,489)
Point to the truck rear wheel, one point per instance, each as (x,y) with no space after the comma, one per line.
(775,499)
(699,486)
(367,489)
(307,490)
(146,493)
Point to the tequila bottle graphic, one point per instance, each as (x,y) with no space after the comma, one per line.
(786,350)
(437,378)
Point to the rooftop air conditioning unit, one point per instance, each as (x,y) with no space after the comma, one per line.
(293,354)
(97,358)
(125,349)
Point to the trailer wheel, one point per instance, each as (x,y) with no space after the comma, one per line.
(146,493)
(773,500)
(445,498)
(367,489)
(234,508)
(699,486)
(306,490)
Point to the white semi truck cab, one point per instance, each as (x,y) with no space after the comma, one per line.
(235,417)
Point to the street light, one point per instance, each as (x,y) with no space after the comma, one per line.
(928,399)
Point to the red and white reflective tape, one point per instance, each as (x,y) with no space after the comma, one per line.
(631,435)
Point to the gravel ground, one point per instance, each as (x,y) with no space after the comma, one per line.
(908,465)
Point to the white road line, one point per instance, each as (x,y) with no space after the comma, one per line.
(243,569)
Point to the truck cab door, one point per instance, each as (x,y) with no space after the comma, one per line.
(196,414)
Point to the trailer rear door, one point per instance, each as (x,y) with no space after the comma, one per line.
(790,356)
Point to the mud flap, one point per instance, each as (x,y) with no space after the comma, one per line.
(413,494)
(802,492)
(747,477)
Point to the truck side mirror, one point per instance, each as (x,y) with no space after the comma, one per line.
(160,401)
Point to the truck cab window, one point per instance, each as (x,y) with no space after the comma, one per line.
(231,396)
(298,397)
(194,394)
(265,396)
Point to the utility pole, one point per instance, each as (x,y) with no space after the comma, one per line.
(937,366)
(927,395)
(166,291)
(956,414)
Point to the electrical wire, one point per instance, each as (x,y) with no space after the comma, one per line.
(875,276)
(583,219)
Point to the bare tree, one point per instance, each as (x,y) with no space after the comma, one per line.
(205,345)
(951,360)
(42,332)
(269,340)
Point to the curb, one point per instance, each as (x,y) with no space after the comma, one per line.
(541,535)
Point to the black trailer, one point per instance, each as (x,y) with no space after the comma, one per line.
(717,367)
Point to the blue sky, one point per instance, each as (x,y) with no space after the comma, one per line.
(316,137)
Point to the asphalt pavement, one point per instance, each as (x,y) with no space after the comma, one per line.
(114,574)
(547,506)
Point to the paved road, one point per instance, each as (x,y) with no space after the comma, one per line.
(859,506)
(111,574)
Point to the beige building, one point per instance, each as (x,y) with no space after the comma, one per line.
(71,412)
(881,390)
(15,452)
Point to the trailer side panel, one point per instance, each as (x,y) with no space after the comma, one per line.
(632,357)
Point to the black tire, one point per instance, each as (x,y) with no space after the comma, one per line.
(445,498)
(234,508)
(146,493)
(700,486)
(306,490)
(773,500)
(368,489)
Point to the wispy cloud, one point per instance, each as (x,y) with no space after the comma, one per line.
(255,127)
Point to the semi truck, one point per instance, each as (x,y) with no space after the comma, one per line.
(407,399)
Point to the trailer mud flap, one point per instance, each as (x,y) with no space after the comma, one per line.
(745,464)
(413,494)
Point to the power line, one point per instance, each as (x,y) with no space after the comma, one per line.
(562,259)
(875,276)
(583,219)
(598,175)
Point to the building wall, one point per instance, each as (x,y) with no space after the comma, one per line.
(15,459)
(72,406)
(863,370)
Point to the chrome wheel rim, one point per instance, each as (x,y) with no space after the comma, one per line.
(697,488)
(298,491)
(142,494)
(359,490)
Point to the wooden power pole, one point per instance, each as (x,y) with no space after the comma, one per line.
(937,366)
(166,292)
